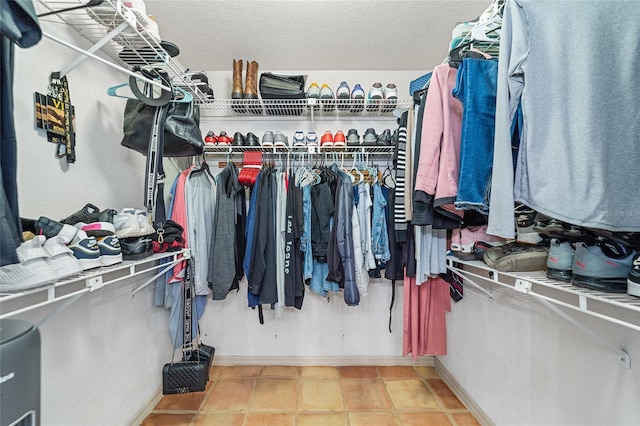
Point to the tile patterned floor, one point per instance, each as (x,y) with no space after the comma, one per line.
(316,396)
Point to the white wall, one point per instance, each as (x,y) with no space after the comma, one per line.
(525,365)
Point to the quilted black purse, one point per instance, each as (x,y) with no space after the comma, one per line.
(192,373)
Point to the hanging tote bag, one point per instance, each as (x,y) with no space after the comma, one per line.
(182,136)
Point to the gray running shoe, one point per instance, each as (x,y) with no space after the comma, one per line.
(267,139)
(560,260)
(517,257)
(280,139)
(595,270)
(370,138)
(353,138)
(633,282)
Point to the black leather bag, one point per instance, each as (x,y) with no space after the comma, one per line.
(184,377)
(182,136)
(203,354)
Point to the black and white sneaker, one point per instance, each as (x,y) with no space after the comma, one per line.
(86,250)
(633,282)
(110,251)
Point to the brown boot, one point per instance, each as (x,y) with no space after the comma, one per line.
(251,83)
(236,92)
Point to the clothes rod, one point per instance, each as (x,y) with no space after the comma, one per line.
(104,61)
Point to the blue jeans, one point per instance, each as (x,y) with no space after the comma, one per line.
(476,88)
(379,235)
(305,238)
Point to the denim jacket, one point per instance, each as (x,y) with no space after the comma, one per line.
(379,236)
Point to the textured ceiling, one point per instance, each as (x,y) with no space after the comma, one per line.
(312,35)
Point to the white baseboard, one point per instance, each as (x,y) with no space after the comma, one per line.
(331,361)
(146,409)
(462,394)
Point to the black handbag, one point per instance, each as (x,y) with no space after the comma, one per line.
(182,136)
(184,377)
(192,373)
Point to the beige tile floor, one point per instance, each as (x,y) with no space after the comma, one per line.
(316,396)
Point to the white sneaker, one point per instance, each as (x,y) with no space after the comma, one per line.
(33,256)
(16,277)
(312,139)
(86,250)
(132,223)
(110,251)
(64,263)
(298,139)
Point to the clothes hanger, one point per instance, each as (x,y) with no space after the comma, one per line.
(186,97)
(177,95)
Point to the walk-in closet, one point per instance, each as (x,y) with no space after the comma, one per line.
(319,213)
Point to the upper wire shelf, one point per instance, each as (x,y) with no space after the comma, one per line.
(121,33)
(305,108)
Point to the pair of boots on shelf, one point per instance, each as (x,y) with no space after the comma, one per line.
(250,90)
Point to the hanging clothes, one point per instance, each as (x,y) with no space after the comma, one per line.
(579,151)
(293,263)
(280,226)
(425,308)
(18,26)
(263,266)
(222,260)
(437,174)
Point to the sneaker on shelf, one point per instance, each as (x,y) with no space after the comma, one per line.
(211,138)
(554,228)
(375,97)
(90,213)
(110,251)
(560,260)
(525,219)
(224,139)
(385,138)
(33,255)
(353,138)
(357,98)
(136,248)
(339,139)
(633,282)
(326,139)
(238,139)
(327,98)
(313,92)
(468,247)
(343,95)
(370,138)
(455,240)
(312,139)
(132,223)
(517,257)
(267,139)
(97,229)
(61,256)
(280,139)
(86,250)
(252,140)
(594,269)
(390,95)
(298,139)
(16,277)
(34,269)
(50,228)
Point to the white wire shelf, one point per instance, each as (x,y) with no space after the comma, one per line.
(339,150)
(303,108)
(131,46)
(618,308)
(73,287)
